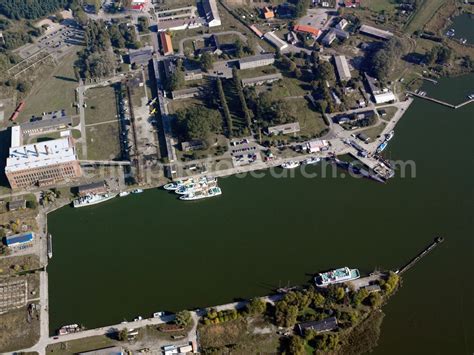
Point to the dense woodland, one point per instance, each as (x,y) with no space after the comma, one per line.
(31,9)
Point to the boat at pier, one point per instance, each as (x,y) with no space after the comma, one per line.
(336,276)
(137,191)
(67,329)
(389,136)
(89,200)
(312,160)
(124,193)
(204,183)
(50,246)
(198,195)
(354,169)
(290,164)
(382,146)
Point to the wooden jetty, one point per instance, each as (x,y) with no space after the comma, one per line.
(424,252)
(441,102)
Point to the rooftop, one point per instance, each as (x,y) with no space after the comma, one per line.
(257,58)
(319,326)
(22,157)
(307,29)
(275,40)
(376,32)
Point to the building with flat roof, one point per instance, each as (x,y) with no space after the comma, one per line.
(276,41)
(193,74)
(179,24)
(259,80)
(316,145)
(256,61)
(287,128)
(42,163)
(313,31)
(380,95)
(268,13)
(321,326)
(212,13)
(375,32)
(140,56)
(111,350)
(19,239)
(341,24)
(186,93)
(342,68)
(166,44)
(17,205)
(329,38)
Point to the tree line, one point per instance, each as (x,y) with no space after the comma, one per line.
(32,9)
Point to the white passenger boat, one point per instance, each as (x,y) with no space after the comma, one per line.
(312,160)
(124,193)
(336,276)
(67,329)
(290,164)
(137,191)
(90,200)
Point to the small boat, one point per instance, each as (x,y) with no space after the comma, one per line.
(389,136)
(50,246)
(312,160)
(158,314)
(137,191)
(290,164)
(124,193)
(71,328)
(173,185)
(471,97)
(381,147)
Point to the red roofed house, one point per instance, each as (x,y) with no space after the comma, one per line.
(166,43)
(308,30)
(352,3)
(268,13)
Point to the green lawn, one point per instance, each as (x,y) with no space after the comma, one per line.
(380,5)
(425,12)
(81,345)
(103,141)
(101,105)
(373,132)
(288,87)
(55,91)
(311,121)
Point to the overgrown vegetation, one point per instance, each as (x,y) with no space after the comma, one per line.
(31,9)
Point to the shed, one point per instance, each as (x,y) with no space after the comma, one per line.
(363,137)
(324,325)
(93,188)
(16,205)
(17,239)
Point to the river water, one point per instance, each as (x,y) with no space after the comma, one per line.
(150,252)
(464,27)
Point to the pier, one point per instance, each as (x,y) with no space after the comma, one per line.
(412,262)
(441,102)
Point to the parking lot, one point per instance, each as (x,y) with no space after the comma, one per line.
(56,42)
(244,152)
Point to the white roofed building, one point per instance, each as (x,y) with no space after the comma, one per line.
(42,163)
(342,67)
(212,13)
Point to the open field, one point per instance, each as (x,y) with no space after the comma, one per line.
(85,344)
(375,131)
(54,91)
(311,121)
(240,332)
(101,105)
(14,264)
(425,12)
(103,141)
(380,5)
(16,332)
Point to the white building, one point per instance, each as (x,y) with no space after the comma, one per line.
(342,24)
(212,13)
(256,61)
(275,40)
(317,145)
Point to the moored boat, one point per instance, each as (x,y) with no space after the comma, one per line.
(336,276)
(312,160)
(67,329)
(124,193)
(290,164)
(90,200)
(389,136)
(382,146)
(137,191)
(198,195)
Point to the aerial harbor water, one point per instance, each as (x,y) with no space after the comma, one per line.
(150,252)
(464,27)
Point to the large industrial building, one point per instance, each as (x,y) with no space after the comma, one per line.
(42,163)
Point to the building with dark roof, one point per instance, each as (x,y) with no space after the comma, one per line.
(212,13)
(321,326)
(18,239)
(93,188)
(140,56)
(16,205)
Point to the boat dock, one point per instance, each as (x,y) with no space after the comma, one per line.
(412,262)
(441,102)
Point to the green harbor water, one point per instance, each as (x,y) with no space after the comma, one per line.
(150,252)
(464,27)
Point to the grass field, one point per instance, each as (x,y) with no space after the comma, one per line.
(380,5)
(101,105)
(54,91)
(85,344)
(16,332)
(373,132)
(425,12)
(311,121)
(103,141)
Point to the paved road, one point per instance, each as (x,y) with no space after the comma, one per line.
(81,89)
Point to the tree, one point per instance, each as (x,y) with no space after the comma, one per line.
(183,318)
(391,283)
(375,299)
(325,72)
(143,24)
(198,123)
(239,48)
(176,80)
(383,62)
(206,61)
(360,296)
(225,107)
(240,92)
(123,334)
(296,345)
(256,306)
(326,342)
(285,314)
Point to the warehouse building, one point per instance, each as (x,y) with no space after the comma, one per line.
(166,44)
(41,164)
(375,32)
(19,239)
(342,67)
(276,41)
(256,61)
